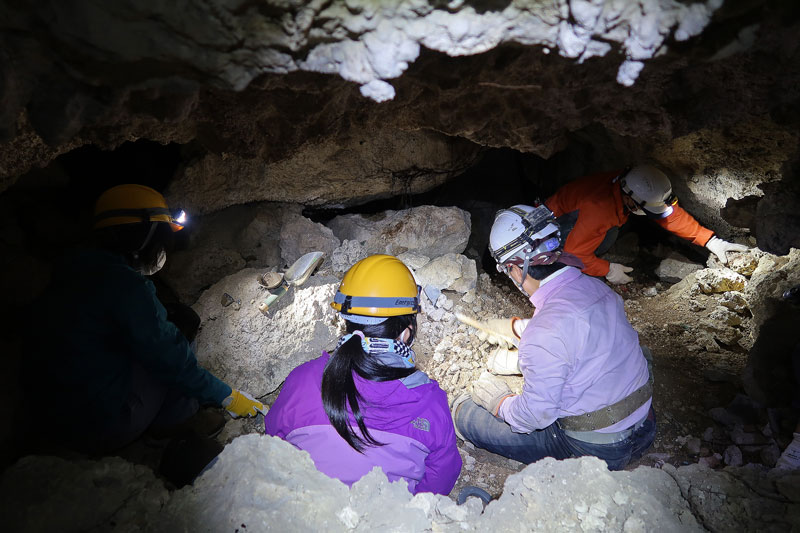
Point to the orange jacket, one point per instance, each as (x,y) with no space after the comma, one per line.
(598,200)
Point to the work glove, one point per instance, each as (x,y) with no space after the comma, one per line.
(504,362)
(489,392)
(721,248)
(242,404)
(498,331)
(617,274)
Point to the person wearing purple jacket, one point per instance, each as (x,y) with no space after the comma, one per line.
(365,404)
(587,387)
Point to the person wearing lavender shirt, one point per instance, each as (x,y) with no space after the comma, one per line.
(587,388)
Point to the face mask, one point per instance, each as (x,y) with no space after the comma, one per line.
(149,270)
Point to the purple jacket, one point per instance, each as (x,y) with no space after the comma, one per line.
(415,425)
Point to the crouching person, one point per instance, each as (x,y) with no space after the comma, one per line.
(366,404)
(587,389)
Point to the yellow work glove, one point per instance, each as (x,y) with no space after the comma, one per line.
(242,404)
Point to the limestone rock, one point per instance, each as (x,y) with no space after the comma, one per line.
(413,260)
(449,272)
(675,267)
(725,316)
(41,493)
(546,497)
(258,483)
(300,235)
(330,170)
(346,255)
(713,280)
(735,499)
(768,376)
(734,301)
(253,351)
(428,230)
(745,263)
(732,456)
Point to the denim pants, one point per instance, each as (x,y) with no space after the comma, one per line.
(486,431)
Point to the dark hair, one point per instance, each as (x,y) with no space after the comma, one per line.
(542,271)
(338,385)
(127,240)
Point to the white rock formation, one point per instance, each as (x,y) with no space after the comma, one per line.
(253,351)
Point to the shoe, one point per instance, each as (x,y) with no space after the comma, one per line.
(205,423)
(186,457)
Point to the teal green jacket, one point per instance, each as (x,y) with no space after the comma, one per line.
(96,316)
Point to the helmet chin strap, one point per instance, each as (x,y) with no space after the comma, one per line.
(147,239)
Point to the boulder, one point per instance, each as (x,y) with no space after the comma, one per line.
(427,230)
(449,272)
(675,267)
(300,235)
(255,352)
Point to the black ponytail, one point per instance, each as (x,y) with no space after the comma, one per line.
(338,386)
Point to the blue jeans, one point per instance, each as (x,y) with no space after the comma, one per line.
(484,430)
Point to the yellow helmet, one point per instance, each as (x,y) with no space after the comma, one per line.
(377,286)
(134,204)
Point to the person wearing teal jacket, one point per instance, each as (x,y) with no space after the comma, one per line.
(106,351)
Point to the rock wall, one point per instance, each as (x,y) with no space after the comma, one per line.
(269,102)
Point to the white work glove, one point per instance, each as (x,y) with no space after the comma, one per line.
(489,392)
(498,331)
(617,274)
(721,248)
(504,362)
(242,404)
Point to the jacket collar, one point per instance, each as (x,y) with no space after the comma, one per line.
(543,293)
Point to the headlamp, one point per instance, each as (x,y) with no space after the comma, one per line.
(178,219)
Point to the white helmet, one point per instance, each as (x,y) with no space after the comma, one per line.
(650,189)
(524,235)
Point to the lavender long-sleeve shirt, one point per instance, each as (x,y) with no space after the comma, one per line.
(414,424)
(577,354)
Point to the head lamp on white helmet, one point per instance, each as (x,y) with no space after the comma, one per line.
(525,236)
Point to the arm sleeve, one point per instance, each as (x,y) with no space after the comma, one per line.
(589,231)
(160,347)
(684,225)
(276,422)
(545,372)
(443,464)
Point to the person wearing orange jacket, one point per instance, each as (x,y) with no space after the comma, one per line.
(600,203)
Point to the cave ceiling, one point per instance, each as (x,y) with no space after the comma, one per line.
(330,103)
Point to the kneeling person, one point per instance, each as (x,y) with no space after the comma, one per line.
(587,388)
(366,404)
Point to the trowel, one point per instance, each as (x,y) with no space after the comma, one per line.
(295,275)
